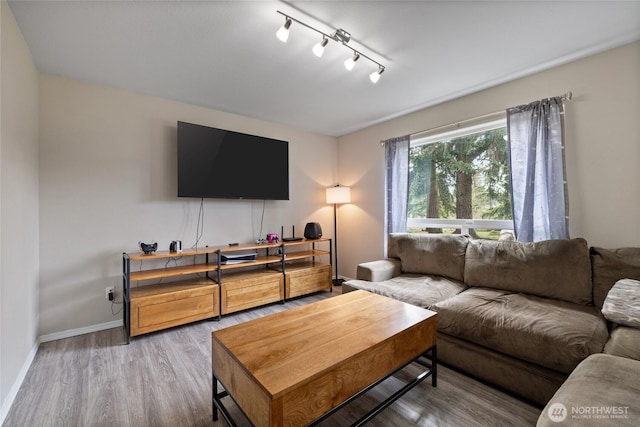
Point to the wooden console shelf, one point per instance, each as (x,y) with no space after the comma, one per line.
(306,277)
(242,290)
(165,305)
(211,288)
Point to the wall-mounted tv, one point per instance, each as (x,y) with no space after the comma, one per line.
(222,164)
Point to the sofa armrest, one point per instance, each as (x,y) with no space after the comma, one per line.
(378,271)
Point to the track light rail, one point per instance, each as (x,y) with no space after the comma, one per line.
(339,36)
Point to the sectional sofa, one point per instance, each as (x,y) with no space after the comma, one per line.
(519,315)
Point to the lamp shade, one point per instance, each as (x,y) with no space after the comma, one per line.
(318,49)
(338,195)
(283,32)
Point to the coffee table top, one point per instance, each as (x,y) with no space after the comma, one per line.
(283,350)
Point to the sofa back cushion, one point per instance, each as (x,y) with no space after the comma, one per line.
(434,254)
(611,265)
(557,269)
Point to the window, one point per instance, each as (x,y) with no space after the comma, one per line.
(459,181)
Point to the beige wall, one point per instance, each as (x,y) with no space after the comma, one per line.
(18,209)
(108,180)
(602,151)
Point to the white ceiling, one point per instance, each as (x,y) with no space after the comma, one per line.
(224,54)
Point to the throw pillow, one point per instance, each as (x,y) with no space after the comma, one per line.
(622,305)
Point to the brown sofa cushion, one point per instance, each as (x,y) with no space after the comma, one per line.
(551,333)
(602,391)
(624,342)
(417,289)
(558,269)
(378,271)
(434,254)
(392,244)
(611,265)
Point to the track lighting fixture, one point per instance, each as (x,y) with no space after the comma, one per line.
(318,49)
(375,76)
(283,32)
(340,36)
(351,62)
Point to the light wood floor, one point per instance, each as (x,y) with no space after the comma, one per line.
(164,379)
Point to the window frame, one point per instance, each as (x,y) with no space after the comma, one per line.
(480,124)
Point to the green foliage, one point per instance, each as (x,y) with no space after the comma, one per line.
(471,178)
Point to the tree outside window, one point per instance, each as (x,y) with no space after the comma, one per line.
(462,177)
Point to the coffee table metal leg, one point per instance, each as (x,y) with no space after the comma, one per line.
(434,366)
(216,402)
(219,406)
(214,394)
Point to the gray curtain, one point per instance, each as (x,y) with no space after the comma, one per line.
(397,183)
(536,162)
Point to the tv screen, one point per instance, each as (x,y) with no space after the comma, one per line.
(218,163)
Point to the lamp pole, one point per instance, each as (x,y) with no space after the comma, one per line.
(336,281)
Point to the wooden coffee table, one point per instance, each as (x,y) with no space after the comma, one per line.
(298,366)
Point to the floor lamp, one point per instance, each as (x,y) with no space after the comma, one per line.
(337,195)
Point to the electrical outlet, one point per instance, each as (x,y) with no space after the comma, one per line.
(110,293)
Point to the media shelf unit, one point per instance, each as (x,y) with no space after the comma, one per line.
(206,287)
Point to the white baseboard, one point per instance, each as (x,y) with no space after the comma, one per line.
(80,331)
(8,401)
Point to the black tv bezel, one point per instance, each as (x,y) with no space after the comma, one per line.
(255,173)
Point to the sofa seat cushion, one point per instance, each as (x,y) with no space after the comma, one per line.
(417,289)
(602,391)
(551,333)
(624,342)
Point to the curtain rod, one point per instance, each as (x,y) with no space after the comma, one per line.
(564,97)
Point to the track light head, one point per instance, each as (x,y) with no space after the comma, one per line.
(375,76)
(318,49)
(283,32)
(351,62)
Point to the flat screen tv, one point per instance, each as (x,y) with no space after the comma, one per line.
(222,164)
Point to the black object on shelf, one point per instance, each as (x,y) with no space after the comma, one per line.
(312,230)
(148,248)
(293,237)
